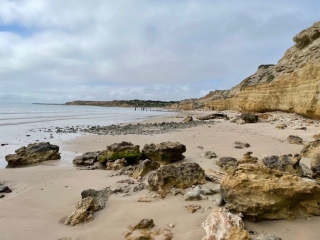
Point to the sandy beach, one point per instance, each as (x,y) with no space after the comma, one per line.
(44,195)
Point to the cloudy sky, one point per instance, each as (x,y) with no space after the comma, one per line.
(64,50)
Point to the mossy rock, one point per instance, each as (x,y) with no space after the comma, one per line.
(125,150)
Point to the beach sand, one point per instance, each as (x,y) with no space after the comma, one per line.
(44,195)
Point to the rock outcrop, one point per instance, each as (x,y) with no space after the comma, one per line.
(260,193)
(87,159)
(125,150)
(182,175)
(223,225)
(310,148)
(292,85)
(165,152)
(33,153)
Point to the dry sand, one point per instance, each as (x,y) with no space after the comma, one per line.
(44,195)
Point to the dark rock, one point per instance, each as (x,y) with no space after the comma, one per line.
(249,118)
(241,145)
(88,158)
(33,153)
(284,163)
(4,189)
(295,139)
(227,163)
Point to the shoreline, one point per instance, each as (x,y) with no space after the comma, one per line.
(45,194)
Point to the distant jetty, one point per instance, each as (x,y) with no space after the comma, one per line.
(125,103)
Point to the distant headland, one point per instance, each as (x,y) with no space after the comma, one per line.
(124,103)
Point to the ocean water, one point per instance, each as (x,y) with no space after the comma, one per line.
(19,120)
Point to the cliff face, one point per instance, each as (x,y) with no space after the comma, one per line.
(292,85)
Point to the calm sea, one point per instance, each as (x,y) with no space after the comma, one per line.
(19,120)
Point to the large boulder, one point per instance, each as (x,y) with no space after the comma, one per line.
(249,118)
(87,159)
(33,153)
(182,175)
(165,152)
(223,225)
(144,167)
(83,213)
(125,150)
(310,148)
(260,193)
(285,163)
(100,197)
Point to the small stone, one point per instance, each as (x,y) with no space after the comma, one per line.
(193,207)
(171,225)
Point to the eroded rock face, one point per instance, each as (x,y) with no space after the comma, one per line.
(295,139)
(182,175)
(310,148)
(165,152)
(223,225)
(117,164)
(291,85)
(144,167)
(247,158)
(33,153)
(125,150)
(284,163)
(260,193)
(87,159)
(83,213)
(100,197)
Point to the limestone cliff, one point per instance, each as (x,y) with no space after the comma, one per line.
(292,85)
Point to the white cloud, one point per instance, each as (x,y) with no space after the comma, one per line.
(54,50)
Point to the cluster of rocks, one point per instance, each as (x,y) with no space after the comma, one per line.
(139,128)
(121,156)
